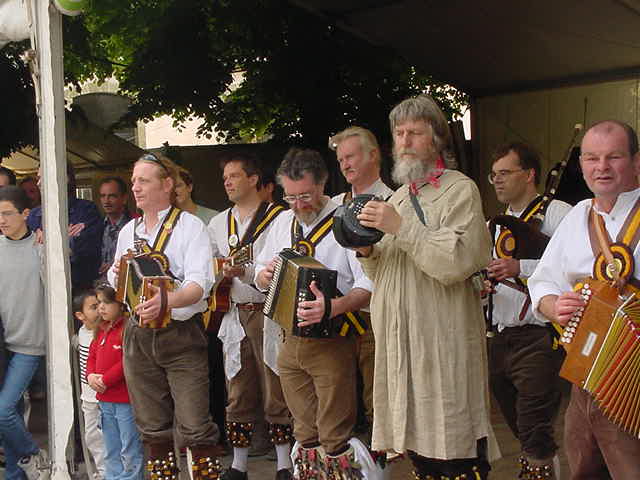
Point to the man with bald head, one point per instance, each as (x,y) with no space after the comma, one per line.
(610,162)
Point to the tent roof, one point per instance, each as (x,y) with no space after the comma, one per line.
(88,147)
(501,46)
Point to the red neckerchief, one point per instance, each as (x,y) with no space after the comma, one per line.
(433,178)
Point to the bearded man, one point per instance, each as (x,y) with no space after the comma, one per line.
(318,375)
(430,380)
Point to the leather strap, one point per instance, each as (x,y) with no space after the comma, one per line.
(605,243)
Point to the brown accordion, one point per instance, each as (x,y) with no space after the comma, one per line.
(603,351)
(135,276)
(292,275)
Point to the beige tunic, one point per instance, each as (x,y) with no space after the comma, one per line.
(430,381)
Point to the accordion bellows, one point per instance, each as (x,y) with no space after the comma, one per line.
(603,352)
(293,273)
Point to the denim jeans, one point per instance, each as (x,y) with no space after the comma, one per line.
(123,449)
(16,439)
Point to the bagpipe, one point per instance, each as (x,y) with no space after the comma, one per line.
(521,238)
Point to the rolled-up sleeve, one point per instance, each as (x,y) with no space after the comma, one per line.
(198,265)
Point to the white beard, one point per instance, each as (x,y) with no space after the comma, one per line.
(406,171)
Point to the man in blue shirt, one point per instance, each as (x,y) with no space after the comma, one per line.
(85,234)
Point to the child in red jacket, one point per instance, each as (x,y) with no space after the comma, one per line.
(105,374)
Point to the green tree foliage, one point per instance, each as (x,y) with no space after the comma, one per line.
(304,78)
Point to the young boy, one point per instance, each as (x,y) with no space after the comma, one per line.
(105,374)
(85,309)
(23,318)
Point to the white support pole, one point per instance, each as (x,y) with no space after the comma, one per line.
(53,161)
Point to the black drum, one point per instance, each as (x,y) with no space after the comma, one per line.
(347,229)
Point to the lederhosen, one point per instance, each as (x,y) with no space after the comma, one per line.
(307,246)
(161,460)
(239,434)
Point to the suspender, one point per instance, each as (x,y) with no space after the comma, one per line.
(265,214)
(614,262)
(307,245)
(162,237)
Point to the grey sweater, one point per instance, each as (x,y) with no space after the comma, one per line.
(22,296)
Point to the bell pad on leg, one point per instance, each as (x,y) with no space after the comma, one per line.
(239,433)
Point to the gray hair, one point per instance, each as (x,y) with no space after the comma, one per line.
(297,162)
(368,140)
(423,107)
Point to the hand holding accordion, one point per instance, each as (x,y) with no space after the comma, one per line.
(290,285)
(603,351)
(140,278)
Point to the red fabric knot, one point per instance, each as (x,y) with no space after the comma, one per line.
(432,178)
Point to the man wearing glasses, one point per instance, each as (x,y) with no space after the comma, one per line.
(318,375)
(523,360)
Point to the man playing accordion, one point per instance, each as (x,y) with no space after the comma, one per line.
(166,367)
(596,447)
(318,375)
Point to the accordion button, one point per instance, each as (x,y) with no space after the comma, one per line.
(586,285)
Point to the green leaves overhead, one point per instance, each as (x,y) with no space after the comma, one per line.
(304,78)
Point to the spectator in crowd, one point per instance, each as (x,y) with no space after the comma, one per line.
(85,234)
(85,310)
(7,177)
(113,193)
(30,187)
(23,318)
(105,375)
(184,201)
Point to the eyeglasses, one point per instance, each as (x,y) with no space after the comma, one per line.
(150,157)
(8,214)
(503,174)
(303,197)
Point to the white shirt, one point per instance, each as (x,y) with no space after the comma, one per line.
(329,252)
(241,291)
(378,188)
(188,251)
(507,301)
(569,256)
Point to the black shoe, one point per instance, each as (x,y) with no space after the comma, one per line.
(284,474)
(233,474)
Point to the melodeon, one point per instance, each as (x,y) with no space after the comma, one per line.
(136,275)
(603,351)
(293,273)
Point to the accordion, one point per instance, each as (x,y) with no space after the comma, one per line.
(292,275)
(603,351)
(136,275)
